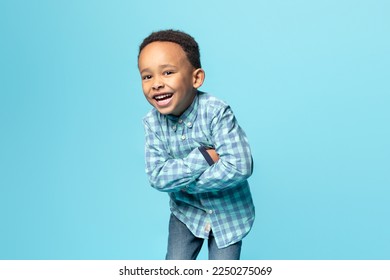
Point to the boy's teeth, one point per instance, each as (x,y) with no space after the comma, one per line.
(159,97)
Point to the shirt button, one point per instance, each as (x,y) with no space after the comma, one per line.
(180,121)
(210,211)
(189,124)
(174,127)
(183,137)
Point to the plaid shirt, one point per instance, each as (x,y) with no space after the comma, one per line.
(203,195)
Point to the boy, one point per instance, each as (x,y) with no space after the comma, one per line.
(194,150)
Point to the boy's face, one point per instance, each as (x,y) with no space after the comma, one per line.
(169,81)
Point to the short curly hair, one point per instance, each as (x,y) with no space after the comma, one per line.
(187,42)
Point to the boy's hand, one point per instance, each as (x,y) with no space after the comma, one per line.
(213,154)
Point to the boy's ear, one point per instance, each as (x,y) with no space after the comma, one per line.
(198,77)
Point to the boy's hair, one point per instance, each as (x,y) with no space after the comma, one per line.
(188,43)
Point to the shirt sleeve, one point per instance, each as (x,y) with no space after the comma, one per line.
(166,173)
(235,162)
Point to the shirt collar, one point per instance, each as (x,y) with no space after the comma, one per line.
(189,115)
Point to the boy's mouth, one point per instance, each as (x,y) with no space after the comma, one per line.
(163,99)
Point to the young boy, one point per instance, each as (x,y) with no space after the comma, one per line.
(195,150)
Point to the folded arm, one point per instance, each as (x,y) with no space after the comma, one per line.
(170,174)
(224,166)
(233,159)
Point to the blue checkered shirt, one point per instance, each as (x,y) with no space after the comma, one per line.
(205,196)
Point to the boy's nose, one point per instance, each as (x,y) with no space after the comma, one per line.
(157,85)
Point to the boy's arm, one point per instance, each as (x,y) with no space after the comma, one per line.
(166,173)
(232,156)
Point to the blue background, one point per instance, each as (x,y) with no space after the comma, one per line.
(307,80)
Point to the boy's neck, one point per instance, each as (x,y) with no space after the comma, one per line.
(176,117)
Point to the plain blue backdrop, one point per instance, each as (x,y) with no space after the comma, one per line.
(307,80)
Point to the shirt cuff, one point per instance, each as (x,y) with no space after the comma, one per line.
(206,155)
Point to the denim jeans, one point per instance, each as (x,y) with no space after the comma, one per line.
(183,245)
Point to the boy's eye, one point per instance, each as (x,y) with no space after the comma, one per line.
(167,73)
(146,77)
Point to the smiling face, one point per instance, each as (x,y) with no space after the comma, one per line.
(169,81)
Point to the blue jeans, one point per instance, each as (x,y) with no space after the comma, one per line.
(183,245)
